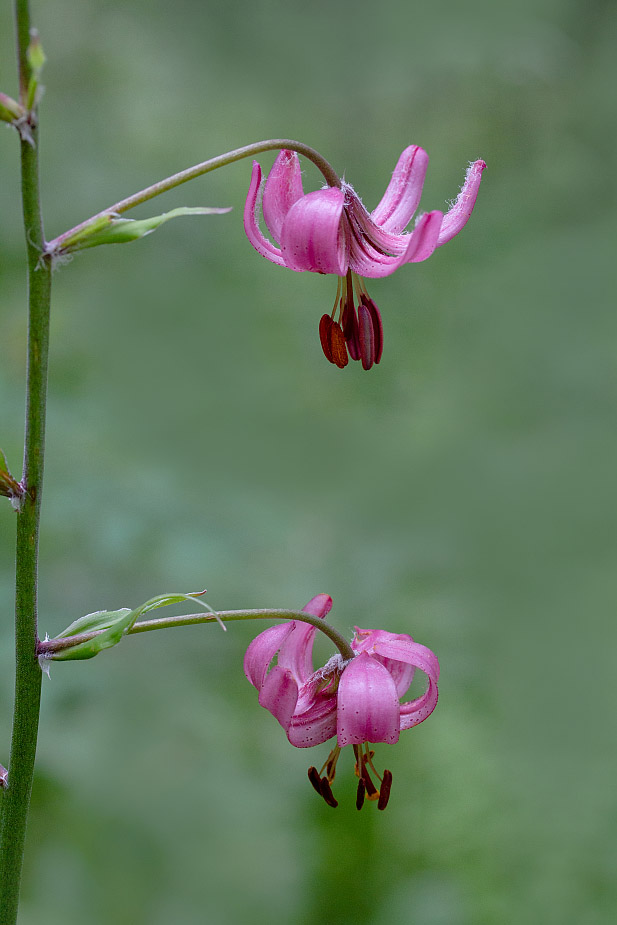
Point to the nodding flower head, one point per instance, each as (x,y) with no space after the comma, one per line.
(330,231)
(357,700)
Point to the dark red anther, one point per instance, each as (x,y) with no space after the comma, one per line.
(384,790)
(338,346)
(377,325)
(333,342)
(326,792)
(366,336)
(371,790)
(325,323)
(315,779)
(360,794)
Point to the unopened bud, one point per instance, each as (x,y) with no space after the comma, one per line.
(35,53)
(10,109)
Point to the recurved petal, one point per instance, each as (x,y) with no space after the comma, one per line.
(313,236)
(319,606)
(279,695)
(315,725)
(412,653)
(296,653)
(283,188)
(402,195)
(251,225)
(458,216)
(262,650)
(416,711)
(367,260)
(368,707)
(401,648)
(398,653)
(423,239)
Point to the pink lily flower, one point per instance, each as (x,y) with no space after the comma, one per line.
(357,700)
(330,231)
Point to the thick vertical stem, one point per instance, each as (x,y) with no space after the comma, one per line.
(16,799)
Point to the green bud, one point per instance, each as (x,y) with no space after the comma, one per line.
(111,229)
(109,626)
(10,109)
(35,54)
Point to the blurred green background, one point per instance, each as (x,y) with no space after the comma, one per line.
(462,491)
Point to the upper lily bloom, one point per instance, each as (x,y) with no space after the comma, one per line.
(356,700)
(330,231)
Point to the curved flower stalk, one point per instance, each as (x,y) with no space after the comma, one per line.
(330,231)
(357,700)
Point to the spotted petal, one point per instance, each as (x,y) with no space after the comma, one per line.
(315,725)
(368,707)
(399,649)
(416,711)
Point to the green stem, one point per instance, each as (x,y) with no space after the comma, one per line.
(16,798)
(144,626)
(272,144)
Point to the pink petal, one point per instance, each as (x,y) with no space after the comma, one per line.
(404,649)
(279,695)
(373,236)
(319,606)
(262,650)
(457,217)
(368,707)
(410,652)
(315,725)
(283,188)
(402,195)
(313,236)
(423,239)
(367,258)
(398,653)
(416,711)
(402,673)
(296,654)
(251,226)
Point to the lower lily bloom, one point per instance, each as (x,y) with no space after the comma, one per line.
(330,231)
(358,699)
